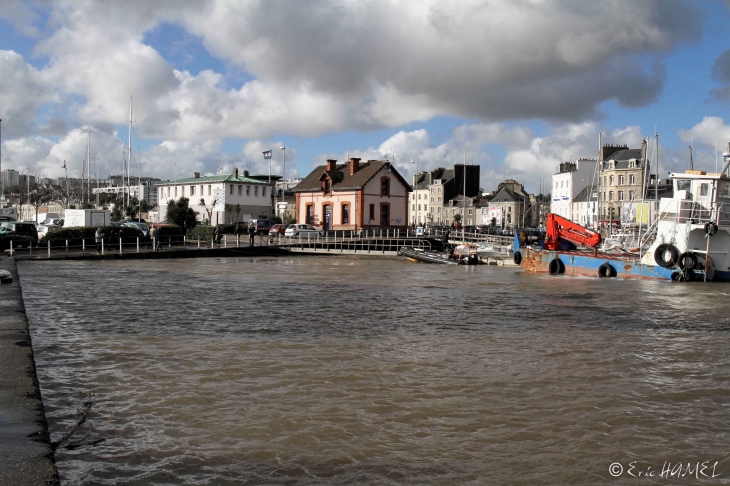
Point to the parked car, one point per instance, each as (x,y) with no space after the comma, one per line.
(140,226)
(278,230)
(25,234)
(49,223)
(302,230)
(262,225)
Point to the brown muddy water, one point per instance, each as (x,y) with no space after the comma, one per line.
(331,370)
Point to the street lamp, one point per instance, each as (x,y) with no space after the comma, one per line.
(415,196)
(284,149)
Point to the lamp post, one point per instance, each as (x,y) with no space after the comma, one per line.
(283,184)
(415,196)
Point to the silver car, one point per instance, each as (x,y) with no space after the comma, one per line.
(302,230)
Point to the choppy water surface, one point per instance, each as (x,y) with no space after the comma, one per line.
(318,370)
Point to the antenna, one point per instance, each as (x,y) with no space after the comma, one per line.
(691,164)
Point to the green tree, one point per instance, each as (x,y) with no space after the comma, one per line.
(208,210)
(117,212)
(457,217)
(179,214)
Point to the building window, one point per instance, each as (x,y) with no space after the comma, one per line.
(327,186)
(255,191)
(631,195)
(604,181)
(385,187)
(209,189)
(230,191)
(556,184)
(425,207)
(704,189)
(470,212)
(431,199)
(621,180)
(414,207)
(192,191)
(309,218)
(248,192)
(632,179)
(263,191)
(419,207)
(345,214)
(439,199)
(372,212)
(620,195)
(240,190)
(610,180)
(610,195)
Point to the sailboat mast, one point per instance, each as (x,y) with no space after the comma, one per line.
(129,148)
(88,166)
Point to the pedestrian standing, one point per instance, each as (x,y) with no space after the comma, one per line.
(217,235)
(153,237)
(251,233)
(237,231)
(99,238)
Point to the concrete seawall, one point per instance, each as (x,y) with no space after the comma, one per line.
(26,456)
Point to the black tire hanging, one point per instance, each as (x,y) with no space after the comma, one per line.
(606,270)
(517,258)
(711,228)
(556,267)
(661,252)
(687,260)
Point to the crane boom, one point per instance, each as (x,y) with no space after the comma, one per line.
(558,229)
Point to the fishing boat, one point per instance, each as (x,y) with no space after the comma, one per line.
(461,255)
(690,238)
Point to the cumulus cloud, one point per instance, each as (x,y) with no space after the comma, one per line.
(344,64)
(23,91)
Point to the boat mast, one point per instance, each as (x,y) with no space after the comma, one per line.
(599,165)
(129,148)
(463,202)
(88,167)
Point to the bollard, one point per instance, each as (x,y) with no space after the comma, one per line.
(102,246)
(169,242)
(49,248)
(225,240)
(185,239)
(11,247)
(66,246)
(138,244)
(199,241)
(120,245)
(83,245)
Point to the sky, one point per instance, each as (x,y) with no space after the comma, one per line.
(514,86)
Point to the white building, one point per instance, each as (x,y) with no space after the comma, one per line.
(568,183)
(228,198)
(585,207)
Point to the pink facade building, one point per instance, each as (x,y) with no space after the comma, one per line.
(353,196)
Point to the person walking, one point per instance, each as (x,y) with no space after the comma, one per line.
(251,233)
(153,237)
(217,235)
(99,238)
(237,232)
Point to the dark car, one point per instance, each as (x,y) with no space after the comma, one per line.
(25,234)
(128,234)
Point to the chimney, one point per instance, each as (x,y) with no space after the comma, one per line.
(643,149)
(196,175)
(245,173)
(235,172)
(354,165)
(331,163)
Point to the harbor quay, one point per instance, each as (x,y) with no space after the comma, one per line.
(26,454)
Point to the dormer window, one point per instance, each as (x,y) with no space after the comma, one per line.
(327,186)
(385,187)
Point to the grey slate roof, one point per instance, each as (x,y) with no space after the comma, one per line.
(341,178)
(215,178)
(583,195)
(622,158)
(506,195)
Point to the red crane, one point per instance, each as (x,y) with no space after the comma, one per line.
(559,229)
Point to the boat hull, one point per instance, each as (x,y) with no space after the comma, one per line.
(587,265)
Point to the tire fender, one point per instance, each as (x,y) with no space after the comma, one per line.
(606,270)
(517,257)
(661,252)
(556,267)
